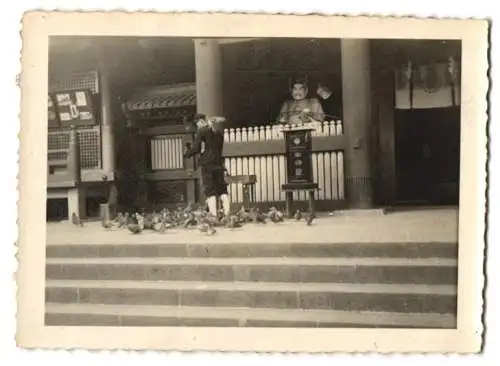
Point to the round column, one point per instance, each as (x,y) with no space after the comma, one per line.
(356,95)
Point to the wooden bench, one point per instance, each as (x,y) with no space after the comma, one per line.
(248,182)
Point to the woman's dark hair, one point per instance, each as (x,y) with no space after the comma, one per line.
(325,87)
(199,116)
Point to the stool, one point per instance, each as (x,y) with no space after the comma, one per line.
(292,187)
(248,182)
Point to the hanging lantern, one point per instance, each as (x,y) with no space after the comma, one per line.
(408,70)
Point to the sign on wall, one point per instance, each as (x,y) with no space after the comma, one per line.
(74,107)
(299,158)
(432,85)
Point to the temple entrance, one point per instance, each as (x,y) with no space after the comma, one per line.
(427,144)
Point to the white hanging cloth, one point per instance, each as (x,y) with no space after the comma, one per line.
(431,85)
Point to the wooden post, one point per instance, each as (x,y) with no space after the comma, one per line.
(312,208)
(208,77)
(356,95)
(76,194)
(288,204)
(108,129)
(208,86)
(190,164)
(108,149)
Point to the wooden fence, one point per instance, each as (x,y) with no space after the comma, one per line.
(260,151)
(270,166)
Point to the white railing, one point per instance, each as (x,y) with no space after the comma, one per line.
(167,152)
(264,133)
(270,170)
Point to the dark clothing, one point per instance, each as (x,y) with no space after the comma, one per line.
(332,108)
(211,160)
(213,180)
(212,154)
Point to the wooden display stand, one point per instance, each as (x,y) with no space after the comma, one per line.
(298,150)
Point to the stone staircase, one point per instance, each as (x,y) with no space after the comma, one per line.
(390,285)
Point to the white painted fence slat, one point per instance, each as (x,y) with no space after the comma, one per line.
(335,176)
(340,168)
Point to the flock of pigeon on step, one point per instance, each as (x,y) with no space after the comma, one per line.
(196,217)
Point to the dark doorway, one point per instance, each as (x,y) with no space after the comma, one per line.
(57,209)
(428,155)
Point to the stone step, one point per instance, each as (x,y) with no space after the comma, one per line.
(123,315)
(261,286)
(296,270)
(326,250)
(334,296)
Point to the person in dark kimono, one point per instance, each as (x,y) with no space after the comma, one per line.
(332,106)
(209,143)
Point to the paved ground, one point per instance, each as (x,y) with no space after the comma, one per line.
(433,225)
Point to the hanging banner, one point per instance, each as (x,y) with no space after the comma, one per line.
(403,87)
(454,72)
(433,85)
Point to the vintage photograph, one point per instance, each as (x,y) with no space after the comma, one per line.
(202,181)
(293,182)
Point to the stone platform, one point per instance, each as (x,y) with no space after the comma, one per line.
(433,225)
(348,270)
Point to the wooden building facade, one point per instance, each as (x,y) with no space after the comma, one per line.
(397,139)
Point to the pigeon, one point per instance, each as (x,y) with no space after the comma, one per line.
(134,228)
(138,226)
(148,222)
(310,219)
(107,224)
(275,215)
(122,219)
(207,229)
(76,220)
(257,216)
(233,222)
(298,215)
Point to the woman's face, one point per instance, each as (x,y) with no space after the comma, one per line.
(322,92)
(299,91)
(201,123)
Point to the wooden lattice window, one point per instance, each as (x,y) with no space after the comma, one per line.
(85,80)
(90,146)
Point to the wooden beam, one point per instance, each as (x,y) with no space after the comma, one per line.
(60,182)
(97,175)
(177,174)
(276,147)
(163,130)
(236,40)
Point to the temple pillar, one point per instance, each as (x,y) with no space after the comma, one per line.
(108,150)
(108,129)
(208,77)
(77,202)
(356,102)
(208,83)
